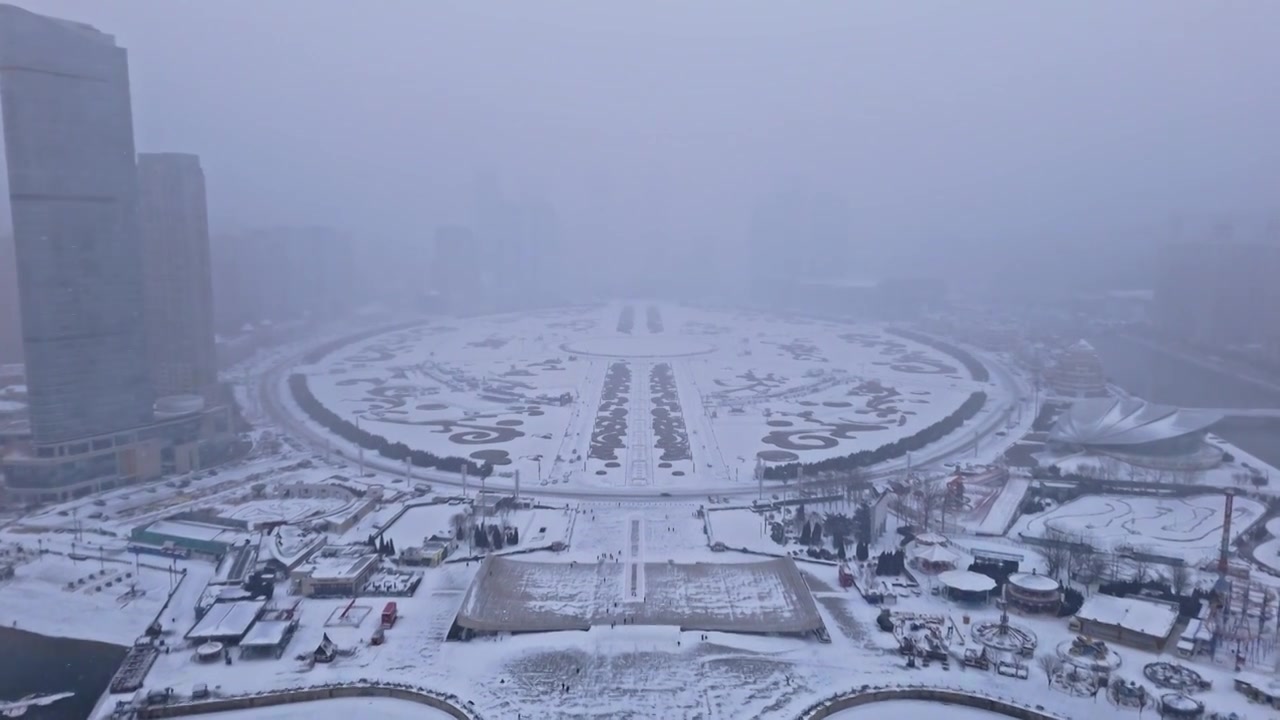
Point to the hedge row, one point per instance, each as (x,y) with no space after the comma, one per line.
(884,453)
(367,440)
(975,367)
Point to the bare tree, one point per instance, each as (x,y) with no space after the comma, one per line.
(1056,551)
(929,496)
(1051,664)
(1141,569)
(852,483)
(1186,476)
(1179,578)
(459,525)
(1109,468)
(1083,560)
(1093,567)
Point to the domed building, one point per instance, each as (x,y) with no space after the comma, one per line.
(1033,593)
(1078,373)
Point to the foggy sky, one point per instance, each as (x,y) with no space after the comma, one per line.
(952,130)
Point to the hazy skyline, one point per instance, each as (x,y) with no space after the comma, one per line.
(950,132)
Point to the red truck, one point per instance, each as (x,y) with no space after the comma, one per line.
(846,577)
(389,615)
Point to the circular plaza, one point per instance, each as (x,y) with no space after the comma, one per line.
(632,396)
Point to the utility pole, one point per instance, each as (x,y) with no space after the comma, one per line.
(517,487)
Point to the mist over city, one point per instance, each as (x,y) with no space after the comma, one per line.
(570,359)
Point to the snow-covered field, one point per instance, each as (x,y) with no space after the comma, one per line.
(740,528)
(108,600)
(671,531)
(1189,527)
(421,522)
(700,397)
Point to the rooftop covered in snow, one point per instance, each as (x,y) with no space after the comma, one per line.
(1127,421)
(1154,619)
(769,596)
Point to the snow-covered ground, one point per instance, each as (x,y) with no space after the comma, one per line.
(741,528)
(698,401)
(112,600)
(1190,527)
(671,531)
(623,672)
(421,522)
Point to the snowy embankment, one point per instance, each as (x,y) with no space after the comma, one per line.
(1001,513)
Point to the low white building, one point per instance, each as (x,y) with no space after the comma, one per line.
(1138,622)
(335,572)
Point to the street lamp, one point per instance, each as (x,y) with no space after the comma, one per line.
(359,443)
(538,460)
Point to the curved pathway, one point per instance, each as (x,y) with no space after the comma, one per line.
(840,706)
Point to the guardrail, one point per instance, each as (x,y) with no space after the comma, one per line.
(444,702)
(868,694)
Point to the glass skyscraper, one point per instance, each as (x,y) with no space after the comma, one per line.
(68,131)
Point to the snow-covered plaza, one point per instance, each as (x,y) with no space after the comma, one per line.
(643,570)
(640,396)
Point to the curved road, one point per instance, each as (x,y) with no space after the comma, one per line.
(273,388)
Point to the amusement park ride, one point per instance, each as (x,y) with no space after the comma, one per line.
(1238,608)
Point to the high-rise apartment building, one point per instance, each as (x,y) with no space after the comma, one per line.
(68,130)
(73,191)
(10,314)
(176,274)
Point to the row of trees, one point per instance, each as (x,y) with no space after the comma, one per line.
(891,563)
(382,545)
(975,367)
(1083,563)
(654,317)
(626,319)
(886,452)
(395,451)
(485,537)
